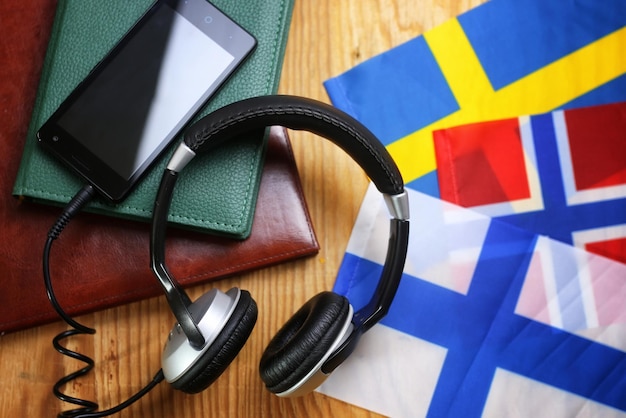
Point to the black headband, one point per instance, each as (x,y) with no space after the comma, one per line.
(299,114)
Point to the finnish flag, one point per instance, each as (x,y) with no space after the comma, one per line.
(478,327)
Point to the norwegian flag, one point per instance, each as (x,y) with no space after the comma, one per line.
(561,174)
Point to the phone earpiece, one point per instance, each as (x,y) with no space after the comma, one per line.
(291,364)
(226,321)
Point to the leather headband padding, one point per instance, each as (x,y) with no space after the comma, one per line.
(299,113)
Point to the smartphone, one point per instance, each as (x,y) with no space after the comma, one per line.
(123,115)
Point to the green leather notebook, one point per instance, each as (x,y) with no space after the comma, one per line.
(217,192)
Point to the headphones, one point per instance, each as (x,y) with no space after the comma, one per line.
(211,331)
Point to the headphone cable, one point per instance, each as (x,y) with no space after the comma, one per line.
(87,408)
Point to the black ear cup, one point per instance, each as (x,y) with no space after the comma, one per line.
(223,350)
(303,341)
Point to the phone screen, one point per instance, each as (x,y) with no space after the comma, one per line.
(140,96)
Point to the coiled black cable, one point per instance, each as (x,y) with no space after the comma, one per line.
(86,408)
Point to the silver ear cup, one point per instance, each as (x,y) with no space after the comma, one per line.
(225,320)
(292,362)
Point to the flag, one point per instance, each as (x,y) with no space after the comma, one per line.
(560,174)
(478,327)
(491,319)
(500,60)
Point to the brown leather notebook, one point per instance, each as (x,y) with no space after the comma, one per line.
(101,262)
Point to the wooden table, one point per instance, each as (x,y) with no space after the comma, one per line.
(327,37)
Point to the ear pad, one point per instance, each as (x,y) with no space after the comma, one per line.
(303,341)
(223,350)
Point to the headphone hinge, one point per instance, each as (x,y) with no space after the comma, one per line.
(398,205)
(181,157)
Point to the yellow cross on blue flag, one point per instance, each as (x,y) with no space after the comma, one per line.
(503,59)
(492,318)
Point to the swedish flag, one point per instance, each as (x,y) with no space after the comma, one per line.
(500,60)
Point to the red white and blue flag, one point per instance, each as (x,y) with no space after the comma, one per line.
(561,174)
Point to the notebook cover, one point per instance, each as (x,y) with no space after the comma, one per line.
(99,261)
(83,32)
